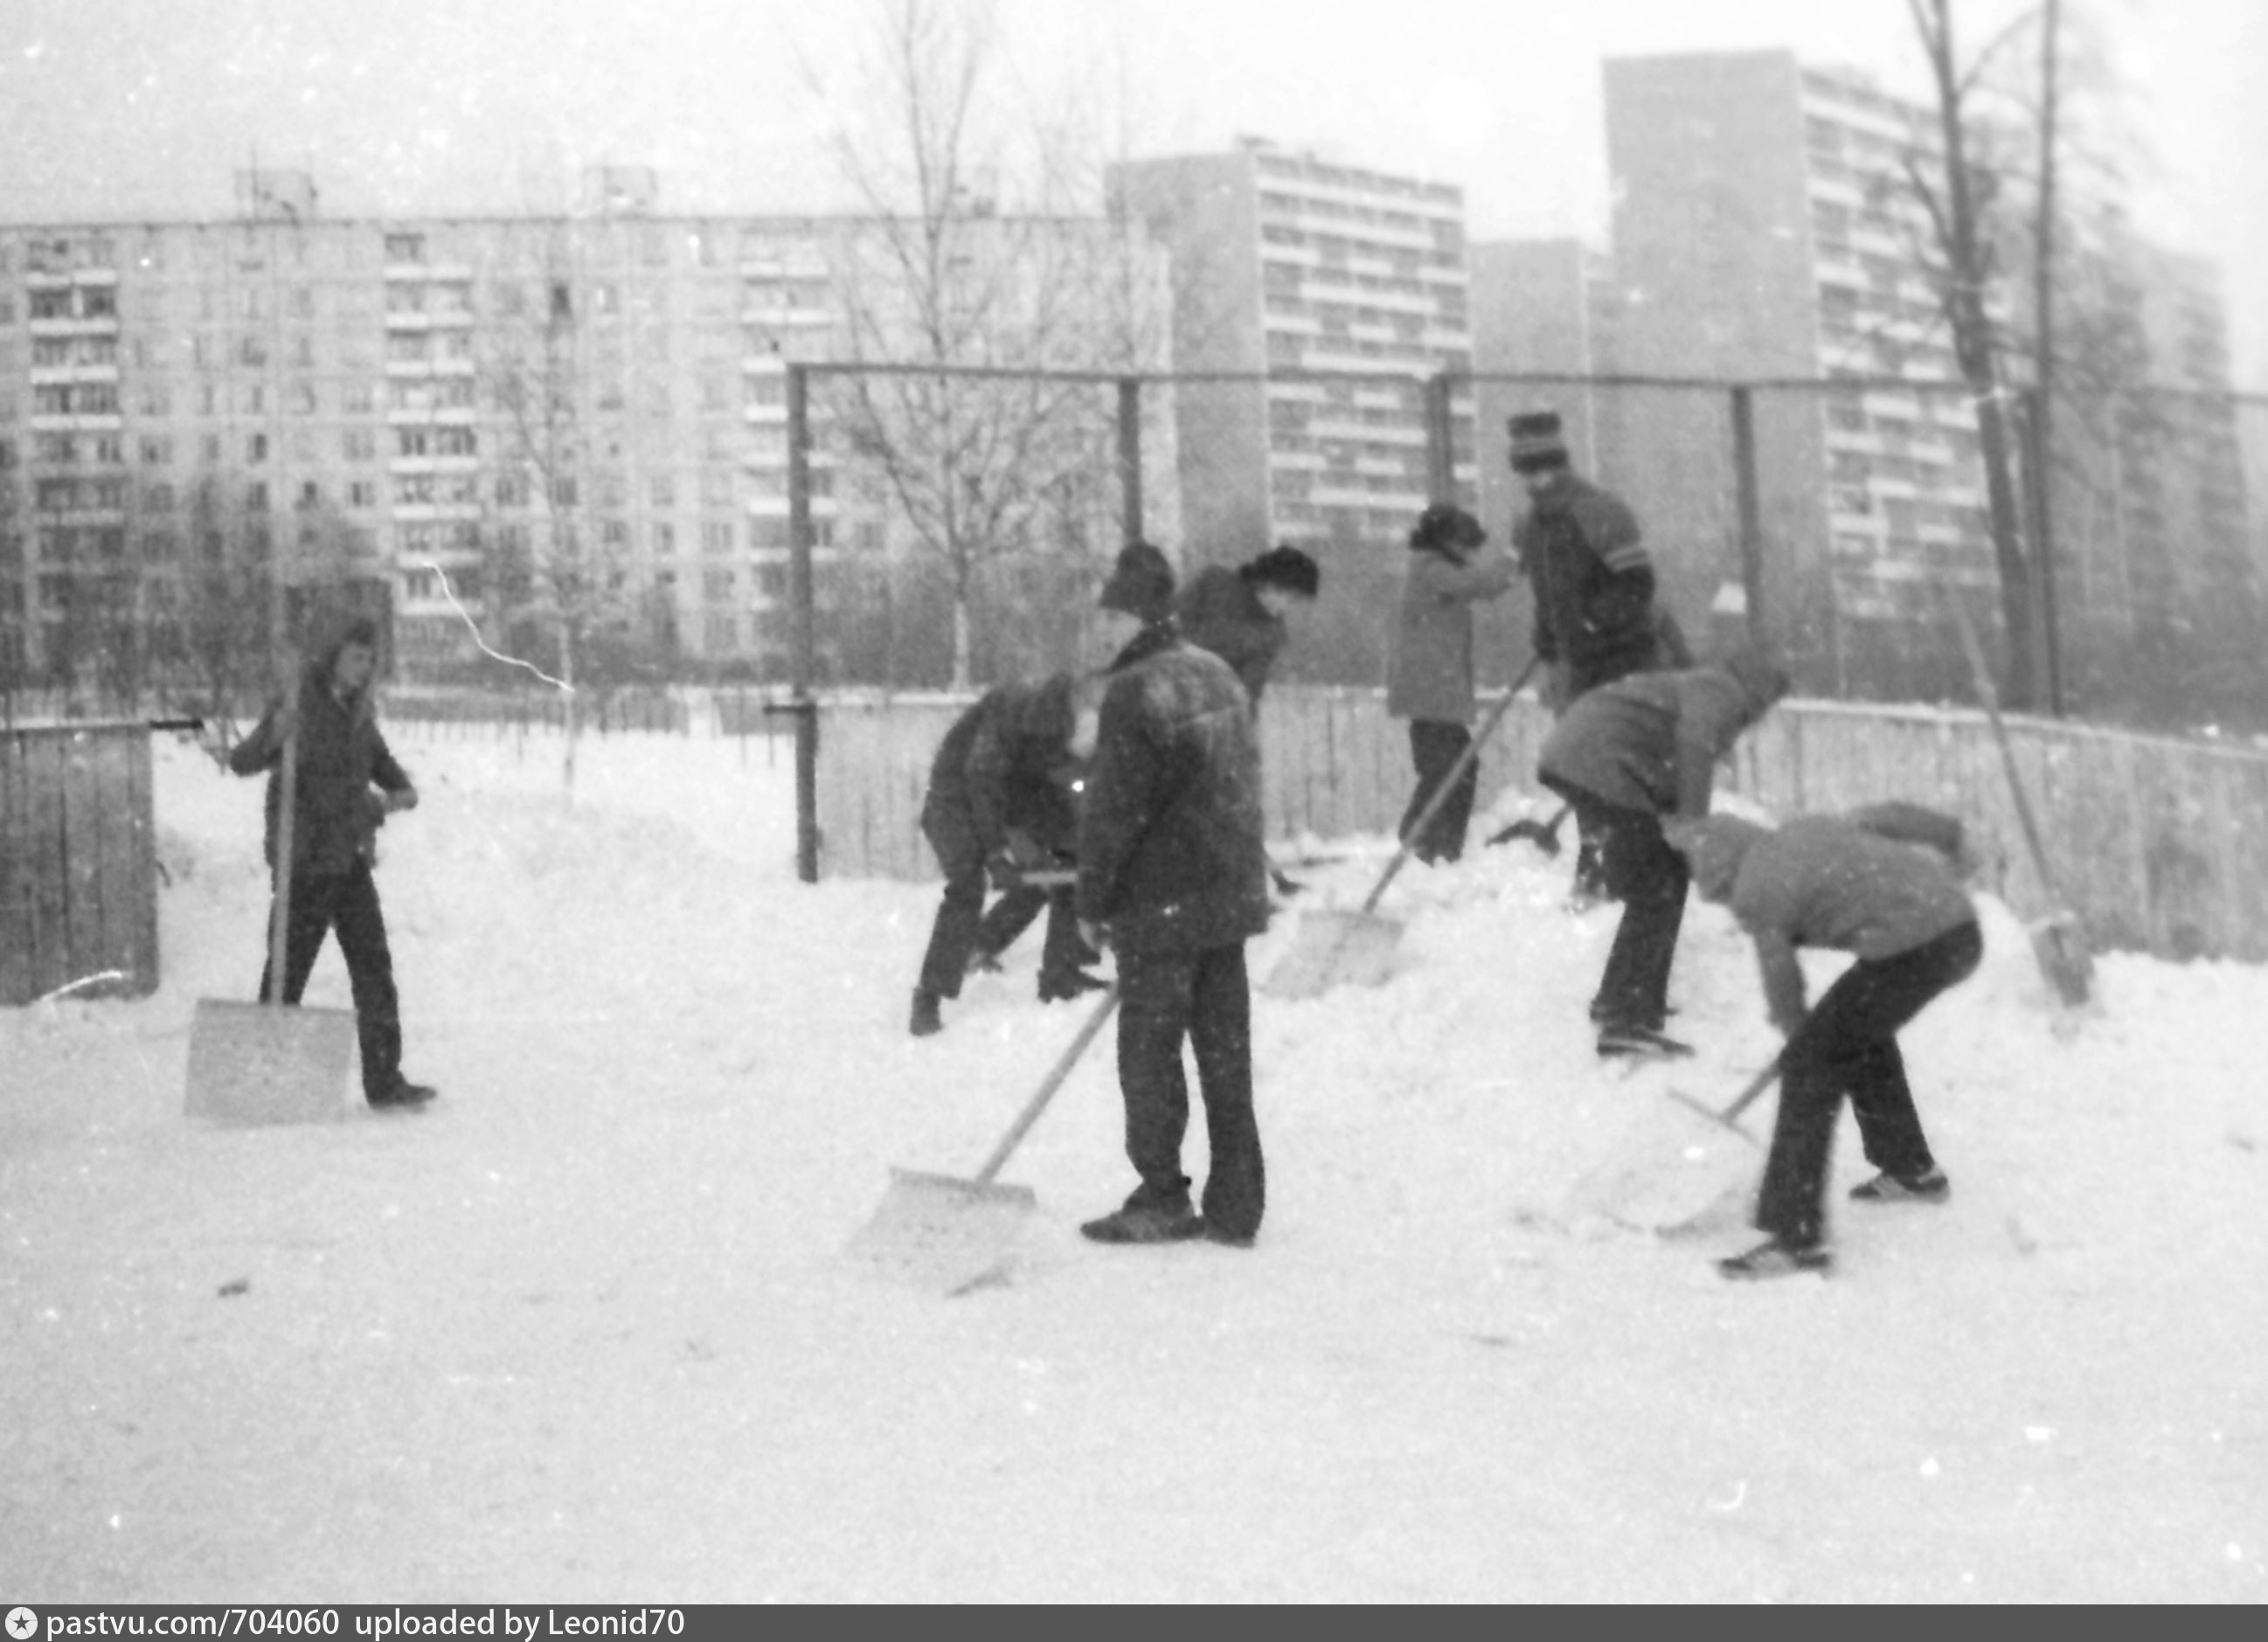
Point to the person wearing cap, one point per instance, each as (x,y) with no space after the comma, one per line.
(1173,877)
(1878,883)
(1239,613)
(1430,673)
(1000,805)
(346,783)
(1626,756)
(1593,585)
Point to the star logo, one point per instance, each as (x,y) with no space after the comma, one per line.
(23,1624)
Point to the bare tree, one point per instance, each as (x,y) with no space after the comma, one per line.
(1960,193)
(549,577)
(973,249)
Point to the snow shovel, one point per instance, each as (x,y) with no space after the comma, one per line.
(1672,1169)
(1543,834)
(271,1062)
(2058,942)
(1334,946)
(938,1232)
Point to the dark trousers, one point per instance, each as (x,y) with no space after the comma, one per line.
(347,902)
(1205,997)
(1435,745)
(1848,1044)
(964,927)
(1640,870)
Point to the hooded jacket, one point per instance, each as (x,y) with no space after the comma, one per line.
(1851,883)
(1652,741)
(1171,856)
(335,816)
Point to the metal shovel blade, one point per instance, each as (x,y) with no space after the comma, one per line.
(1677,1168)
(1335,949)
(939,1232)
(266,1062)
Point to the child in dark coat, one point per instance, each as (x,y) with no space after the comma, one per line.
(1857,884)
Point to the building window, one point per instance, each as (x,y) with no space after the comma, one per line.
(405,247)
(716,535)
(665,538)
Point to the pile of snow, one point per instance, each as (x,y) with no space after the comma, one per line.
(583,1331)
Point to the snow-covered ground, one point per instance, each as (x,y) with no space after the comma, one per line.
(583,1331)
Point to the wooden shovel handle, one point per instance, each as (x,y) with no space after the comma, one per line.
(1054,1081)
(1417,829)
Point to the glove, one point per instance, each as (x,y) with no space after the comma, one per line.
(1094,935)
(405,799)
(1007,872)
(1024,850)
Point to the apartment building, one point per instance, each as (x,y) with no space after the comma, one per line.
(1764,232)
(492,414)
(1346,288)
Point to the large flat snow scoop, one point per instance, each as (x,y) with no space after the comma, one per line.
(1335,947)
(271,1062)
(2058,941)
(938,1232)
(1677,1168)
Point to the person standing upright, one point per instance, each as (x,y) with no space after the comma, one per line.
(1172,874)
(1430,673)
(346,785)
(1238,613)
(1585,559)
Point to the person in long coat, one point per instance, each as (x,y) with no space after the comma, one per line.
(1430,675)
(345,785)
(1173,875)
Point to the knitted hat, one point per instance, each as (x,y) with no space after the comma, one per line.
(1286,567)
(1444,525)
(1141,584)
(1537,444)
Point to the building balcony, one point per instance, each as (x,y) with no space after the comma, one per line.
(110,422)
(100,324)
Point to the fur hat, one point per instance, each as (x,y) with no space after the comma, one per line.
(1446,525)
(1141,584)
(1537,443)
(1286,567)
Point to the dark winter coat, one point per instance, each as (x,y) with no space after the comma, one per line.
(336,817)
(1006,763)
(1171,852)
(1429,676)
(1833,881)
(1652,741)
(1219,610)
(1581,550)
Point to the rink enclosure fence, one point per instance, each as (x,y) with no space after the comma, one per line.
(78,867)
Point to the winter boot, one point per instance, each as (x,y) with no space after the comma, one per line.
(402,1096)
(1776,1258)
(1069,984)
(926,1019)
(1616,1041)
(1146,1222)
(1929,1186)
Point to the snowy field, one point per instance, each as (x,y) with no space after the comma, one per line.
(583,1331)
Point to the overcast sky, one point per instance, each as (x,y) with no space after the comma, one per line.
(143,107)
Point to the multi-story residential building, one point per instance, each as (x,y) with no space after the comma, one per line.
(494,414)
(2156,580)
(1764,232)
(1336,292)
